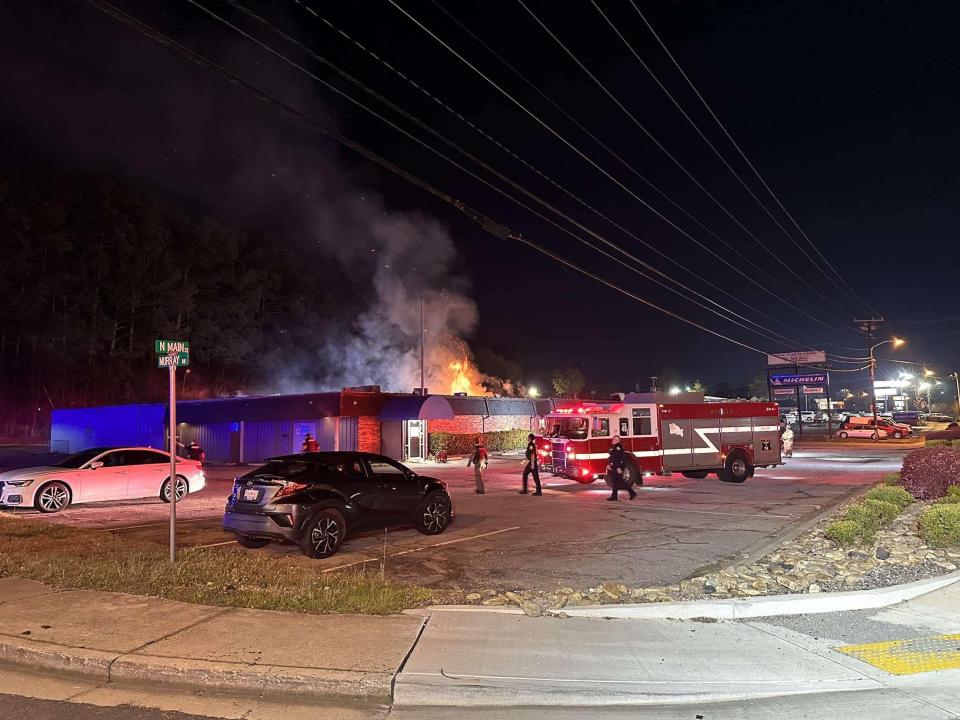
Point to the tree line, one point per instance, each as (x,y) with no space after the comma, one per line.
(95,269)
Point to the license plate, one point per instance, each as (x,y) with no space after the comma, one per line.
(251,494)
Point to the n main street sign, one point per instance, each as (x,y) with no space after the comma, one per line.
(164,347)
(798,380)
(173,359)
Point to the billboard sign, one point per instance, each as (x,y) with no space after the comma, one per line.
(819,378)
(803,357)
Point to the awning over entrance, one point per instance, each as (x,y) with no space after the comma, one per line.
(415,407)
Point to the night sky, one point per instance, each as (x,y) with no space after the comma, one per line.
(848,110)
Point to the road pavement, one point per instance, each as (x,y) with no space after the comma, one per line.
(571,535)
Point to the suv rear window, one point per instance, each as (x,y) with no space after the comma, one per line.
(283,469)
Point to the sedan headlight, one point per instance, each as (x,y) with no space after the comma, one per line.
(17,483)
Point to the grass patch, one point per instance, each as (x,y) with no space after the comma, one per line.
(891,479)
(940,525)
(896,495)
(77,558)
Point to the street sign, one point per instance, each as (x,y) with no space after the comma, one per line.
(783,391)
(174,359)
(798,380)
(804,357)
(162,347)
(813,391)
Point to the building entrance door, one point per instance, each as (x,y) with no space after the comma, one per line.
(416,440)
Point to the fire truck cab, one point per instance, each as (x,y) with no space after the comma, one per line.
(664,434)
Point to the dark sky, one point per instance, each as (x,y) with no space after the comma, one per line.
(848,110)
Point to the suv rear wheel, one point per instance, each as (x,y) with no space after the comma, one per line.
(323,534)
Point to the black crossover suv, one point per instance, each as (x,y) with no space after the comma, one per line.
(315,499)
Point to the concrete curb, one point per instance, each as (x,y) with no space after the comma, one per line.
(192,674)
(741,608)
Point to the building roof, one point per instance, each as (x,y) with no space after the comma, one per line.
(416,407)
(259,408)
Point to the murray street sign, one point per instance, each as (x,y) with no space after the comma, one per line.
(164,347)
(174,359)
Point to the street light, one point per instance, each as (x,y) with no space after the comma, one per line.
(956,379)
(533,391)
(897,342)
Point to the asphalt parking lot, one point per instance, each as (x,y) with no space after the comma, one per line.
(569,536)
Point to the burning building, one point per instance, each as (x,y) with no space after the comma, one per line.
(250,429)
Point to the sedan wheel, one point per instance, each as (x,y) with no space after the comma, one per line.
(434,514)
(843,435)
(322,536)
(181,489)
(52,498)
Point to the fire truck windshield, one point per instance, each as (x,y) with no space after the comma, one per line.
(571,428)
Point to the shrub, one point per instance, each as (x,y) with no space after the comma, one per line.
(887,510)
(891,479)
(928,472)
(944,435)
(940,525)
(868,516)
(849,532)
(938,444)
(462,444)
(952,496)
(896,495)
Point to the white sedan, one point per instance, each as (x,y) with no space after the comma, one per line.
(99,474)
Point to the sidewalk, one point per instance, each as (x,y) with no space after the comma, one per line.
(896,662)
(493,659)
(141,640)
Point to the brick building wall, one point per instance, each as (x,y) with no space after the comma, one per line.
(473,424)
(368,434)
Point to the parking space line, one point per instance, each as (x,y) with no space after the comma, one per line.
(159,522)
(425,547)
(226,542)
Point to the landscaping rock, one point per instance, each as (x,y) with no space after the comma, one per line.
(531,608)
(473,597)
(882,553)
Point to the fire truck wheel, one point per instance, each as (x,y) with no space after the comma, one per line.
(737,469)
(695,474)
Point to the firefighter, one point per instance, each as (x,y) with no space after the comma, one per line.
(616,467)
(787,440)
(310,444)
(194,451)
(532,466)
(479,461)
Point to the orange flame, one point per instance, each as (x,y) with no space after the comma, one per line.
(462,378)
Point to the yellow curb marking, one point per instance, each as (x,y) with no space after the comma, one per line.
(905,657)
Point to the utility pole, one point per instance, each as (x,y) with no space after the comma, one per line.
(422,389)
(653,383)
(956,379)
(870,327)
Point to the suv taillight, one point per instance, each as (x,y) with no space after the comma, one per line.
(289,488)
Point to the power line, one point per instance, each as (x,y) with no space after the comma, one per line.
(536,89)
(762,332)
(672,158)
(720,156)
(515,185)
(746,159)
(554,132)
(488,224)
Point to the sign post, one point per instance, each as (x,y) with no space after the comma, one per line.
(172,354)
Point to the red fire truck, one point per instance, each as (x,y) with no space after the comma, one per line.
(664,434)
